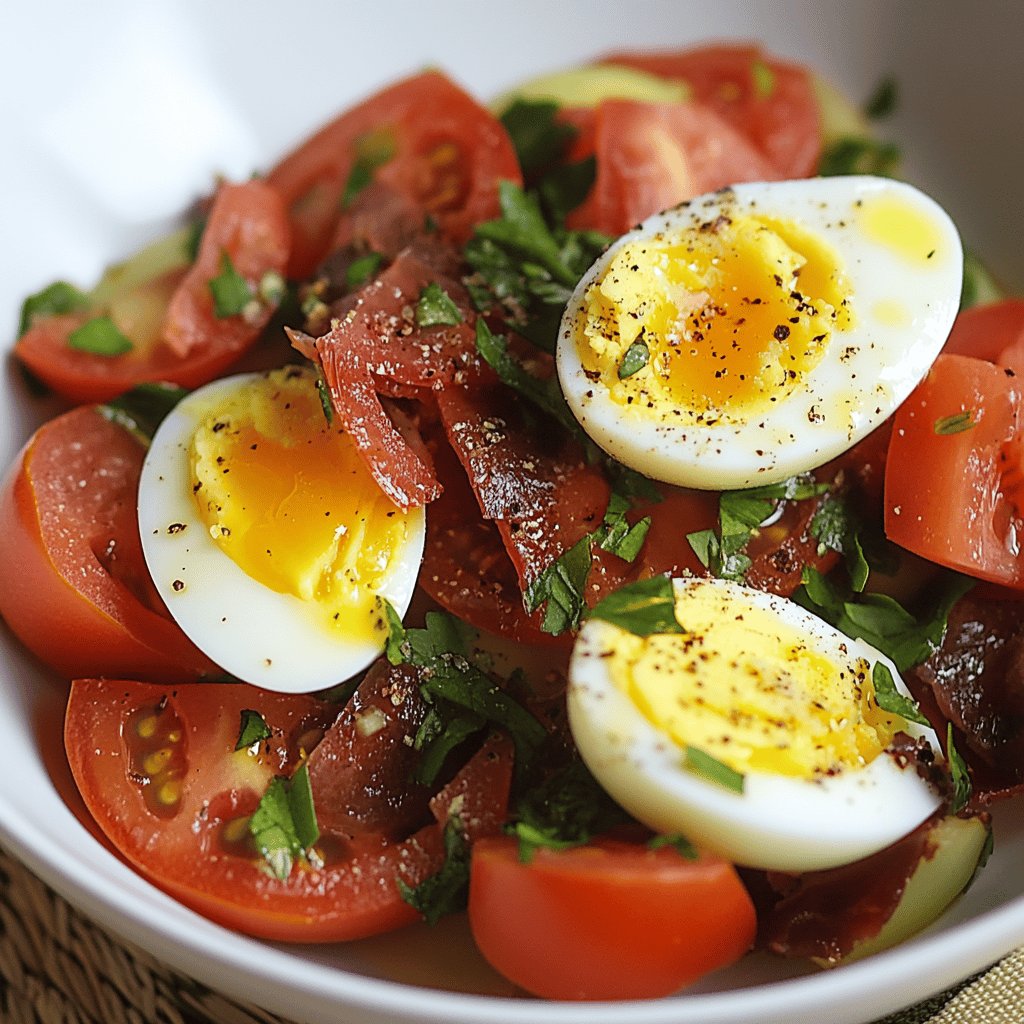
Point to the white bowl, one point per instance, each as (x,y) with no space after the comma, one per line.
(115,116)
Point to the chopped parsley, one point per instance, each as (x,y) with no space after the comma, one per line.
(284,824)
(854,154)
(446,891)
(616,535)
(958,773)
(538,137)
(231,292)
(884,100)
(763,78)
(837,527)
(54,300)
(979,285)
(701,763)
(955,424)
(100,337)
(435,308)
(143,408)
(361,269)
(888,698)
(252,728)
(643,608)
(372,150)
(560,588)
(674,841)
(635,358)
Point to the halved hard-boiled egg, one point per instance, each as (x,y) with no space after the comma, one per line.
(267,537)
(758,332)
(756,732)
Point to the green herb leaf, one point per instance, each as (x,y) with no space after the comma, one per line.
(396,641)
(565,809)
(231,292)
(889,699)
(884,100)
(436,308)
(979,285)
(636,357)
(616,535)
(538,137)
(837,527)
(361,269)
(194,238)
(677,842)
(100,337)
(642,608)
(252,728)
(284,824)
(958,773)
(708,549)
(324,394)
(142,409)
(703,764)
(858,155)
(54,300)
(447,891)
(763,78)
(565,187)
(372,150)
(955,424)
(560,586)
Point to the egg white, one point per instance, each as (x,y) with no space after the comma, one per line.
(778,822)
(264,637)
(865,374)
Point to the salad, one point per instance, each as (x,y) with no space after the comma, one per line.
(423,535)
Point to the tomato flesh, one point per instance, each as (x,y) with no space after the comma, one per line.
(607,921)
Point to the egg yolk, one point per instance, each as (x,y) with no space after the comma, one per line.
(714,322)
(747,689)
(289,500)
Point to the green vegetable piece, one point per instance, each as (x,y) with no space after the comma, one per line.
(858,155)
(763,78)
(707,767)
(838,528)
(436,308)
(677,842)
(955,424)
(54,300)
(362,269)
(252,728)
(958,773)
(324,394)
(616,535)
(642,608)
(372,150)
(566,186)
(100,337)
(284,824)
(447,891)
(884,100)
(538,137)
(231,292)
(889,699)
(560,587)
(636,357)
(142,409)
(979,285)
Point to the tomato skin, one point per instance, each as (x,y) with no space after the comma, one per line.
(353,895)
(450,154)
(607,921)
(784,124)
(74,558)
(191,346)
(994,332)
(953,498)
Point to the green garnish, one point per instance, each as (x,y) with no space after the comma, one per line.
(636,357)
(142,409)
(436,308)
(284,824)
(324,394)
(958,773)
(677,842)
(560,588)
(764,79)
(855,154)
(616,535)
(231,292)
(538,137)
(99,337)
(837,527)
(707,767)
(447,891)
(360,270)
(642,608)
(888,698)
(883,101)
(54,300)
(979,285)
(372,150)
(252,728)
(955,424)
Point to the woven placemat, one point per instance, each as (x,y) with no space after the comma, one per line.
(58,967)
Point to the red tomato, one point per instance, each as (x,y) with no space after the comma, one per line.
(770,101)
(431,142)
(170,320)
(157,769)
(994,332)
(651,156)
(69,539)
(954,498)
(607,921)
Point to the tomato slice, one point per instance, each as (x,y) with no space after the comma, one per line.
(651,156)
(70,542)
(157,769)
(770,101)
(952,481)
(423,138)
(170,320)
(994,332)
(607,921)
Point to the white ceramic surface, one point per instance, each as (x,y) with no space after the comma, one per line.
(114,116)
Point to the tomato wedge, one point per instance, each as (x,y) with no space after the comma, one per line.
(651,156)
(423,138)
(994,332)
(170,320)
(611,920)
(158,770)
(770,101)
(953,478)
(70,544)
